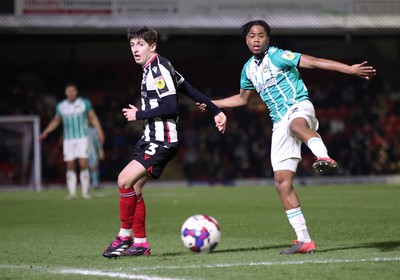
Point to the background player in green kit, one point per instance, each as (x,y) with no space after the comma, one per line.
(272,73)
(75,113)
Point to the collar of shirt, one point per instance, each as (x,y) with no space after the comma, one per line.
(150,61)
(259,61)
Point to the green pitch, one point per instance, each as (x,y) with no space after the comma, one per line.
(356,229)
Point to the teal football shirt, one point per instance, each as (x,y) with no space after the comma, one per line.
(277,80)
(75,117)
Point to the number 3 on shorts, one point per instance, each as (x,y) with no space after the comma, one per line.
(151,150)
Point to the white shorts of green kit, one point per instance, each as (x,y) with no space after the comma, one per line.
(75,148)
(285,148)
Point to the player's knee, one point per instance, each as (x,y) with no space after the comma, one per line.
(122,182)
(282,184)
(138,189)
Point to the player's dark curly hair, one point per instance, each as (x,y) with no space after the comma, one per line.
(246,27)
(148,34)
(71,84)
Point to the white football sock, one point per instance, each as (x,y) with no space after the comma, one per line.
(140,240)
(71,182)
(125,232)
(85,181)
(296,219)
(317,147)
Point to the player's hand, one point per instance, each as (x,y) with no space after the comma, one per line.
(130,113)
(42,136)
(101,153)
(363,70)
(101,137)
(220,122)
(202,107)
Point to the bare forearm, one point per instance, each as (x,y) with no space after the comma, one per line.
(52,126)
(96,124)
(332,65)
(237,100)
(362,70)
(325,64)
(94,120)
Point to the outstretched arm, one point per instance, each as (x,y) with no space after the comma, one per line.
(237,100)
(187,89)
(361,70)
(219,117)
(240,99)
(55,122)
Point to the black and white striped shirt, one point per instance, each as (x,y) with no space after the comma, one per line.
(159,101)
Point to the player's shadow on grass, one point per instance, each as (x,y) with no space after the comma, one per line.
(252,249)
(383,246)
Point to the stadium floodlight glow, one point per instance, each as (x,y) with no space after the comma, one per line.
(20,162)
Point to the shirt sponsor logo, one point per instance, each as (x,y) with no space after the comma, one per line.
(160,83)
(270,82)
(288,55)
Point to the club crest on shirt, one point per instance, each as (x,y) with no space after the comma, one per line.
(160,83)
(265,68)
(288,55)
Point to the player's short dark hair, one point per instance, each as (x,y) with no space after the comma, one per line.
(148,34)
(246,27)
(71,84)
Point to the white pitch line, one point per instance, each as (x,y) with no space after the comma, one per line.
(112,274)
(221,265)
(87,272)
(129,275)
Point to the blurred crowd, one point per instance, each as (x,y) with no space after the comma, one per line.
(358,120)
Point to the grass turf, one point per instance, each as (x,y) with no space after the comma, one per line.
(355,227)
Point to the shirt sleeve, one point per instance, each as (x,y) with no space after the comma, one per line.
(167,107)
(245,82)
(286,59)
(179,78)
(88,104)
(187,89)
(58,113)
(164,82)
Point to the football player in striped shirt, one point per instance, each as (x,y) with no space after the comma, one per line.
(75,113)
(272,73)
(159,143)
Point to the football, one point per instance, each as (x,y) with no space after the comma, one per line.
(201,233)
